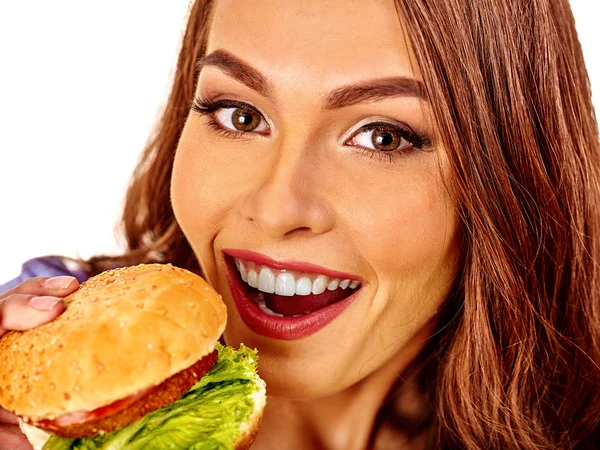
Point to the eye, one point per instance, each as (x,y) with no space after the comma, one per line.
(382,137)
(240,119)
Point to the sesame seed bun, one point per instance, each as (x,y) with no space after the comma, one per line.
(123,331)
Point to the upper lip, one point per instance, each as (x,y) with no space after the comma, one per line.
(300,266)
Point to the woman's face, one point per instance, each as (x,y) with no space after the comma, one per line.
(313,146)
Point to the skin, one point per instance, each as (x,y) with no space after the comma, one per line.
(30,304)
(302,192)
(34,302)
(307,191)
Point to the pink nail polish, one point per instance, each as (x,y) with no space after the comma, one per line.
(44,303)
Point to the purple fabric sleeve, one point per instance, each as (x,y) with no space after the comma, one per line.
(47,266)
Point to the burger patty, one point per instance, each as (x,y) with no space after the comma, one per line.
(119,414)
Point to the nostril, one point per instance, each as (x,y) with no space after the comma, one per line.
(300,231)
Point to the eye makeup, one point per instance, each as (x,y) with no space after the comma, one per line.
(389,139)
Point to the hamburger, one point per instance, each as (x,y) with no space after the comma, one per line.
(134,362)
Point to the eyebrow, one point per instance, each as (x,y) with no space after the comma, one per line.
(351,94)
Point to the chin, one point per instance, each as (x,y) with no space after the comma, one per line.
(291,371)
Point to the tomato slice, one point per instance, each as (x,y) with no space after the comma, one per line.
(76,418)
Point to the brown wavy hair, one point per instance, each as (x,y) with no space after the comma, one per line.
(515,364)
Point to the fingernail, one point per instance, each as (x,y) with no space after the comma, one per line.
(45,303)
(58,282)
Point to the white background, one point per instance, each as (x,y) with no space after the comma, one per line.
(81,85)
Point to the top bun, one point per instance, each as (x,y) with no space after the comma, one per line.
(123,331)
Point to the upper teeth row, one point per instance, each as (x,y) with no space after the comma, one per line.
(286,283)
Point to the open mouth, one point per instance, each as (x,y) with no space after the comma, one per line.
(287,304)
(296,305)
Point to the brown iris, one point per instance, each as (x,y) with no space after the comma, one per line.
(385,139)
(245,119)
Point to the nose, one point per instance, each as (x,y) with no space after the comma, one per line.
(288,197)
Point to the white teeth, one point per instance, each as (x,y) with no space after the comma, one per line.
(289,284)
(264,308)
(319,285)
(253,278)
(266,281)
(303,286)
(333,284)
(243,272)
(285,284)
(262,305)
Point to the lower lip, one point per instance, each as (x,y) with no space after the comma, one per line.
(285,328)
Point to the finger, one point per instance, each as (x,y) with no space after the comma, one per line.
(56,286)
(22,311)
(7,418)
(12,438)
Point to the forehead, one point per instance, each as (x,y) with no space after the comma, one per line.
(325,42)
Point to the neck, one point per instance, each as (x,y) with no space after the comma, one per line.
(345,420)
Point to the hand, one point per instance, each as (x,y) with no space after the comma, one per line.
(32,303)
(10,433)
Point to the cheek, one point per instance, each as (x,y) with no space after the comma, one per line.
(203,185)
(411,228)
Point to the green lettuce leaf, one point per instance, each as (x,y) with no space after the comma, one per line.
(207,417)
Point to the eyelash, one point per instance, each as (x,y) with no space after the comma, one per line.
(415,140)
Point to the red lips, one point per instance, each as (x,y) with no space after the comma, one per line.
(286,328)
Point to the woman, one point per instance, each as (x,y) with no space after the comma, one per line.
(442,155)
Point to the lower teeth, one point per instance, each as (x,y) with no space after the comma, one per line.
(264,308)
(259,299)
